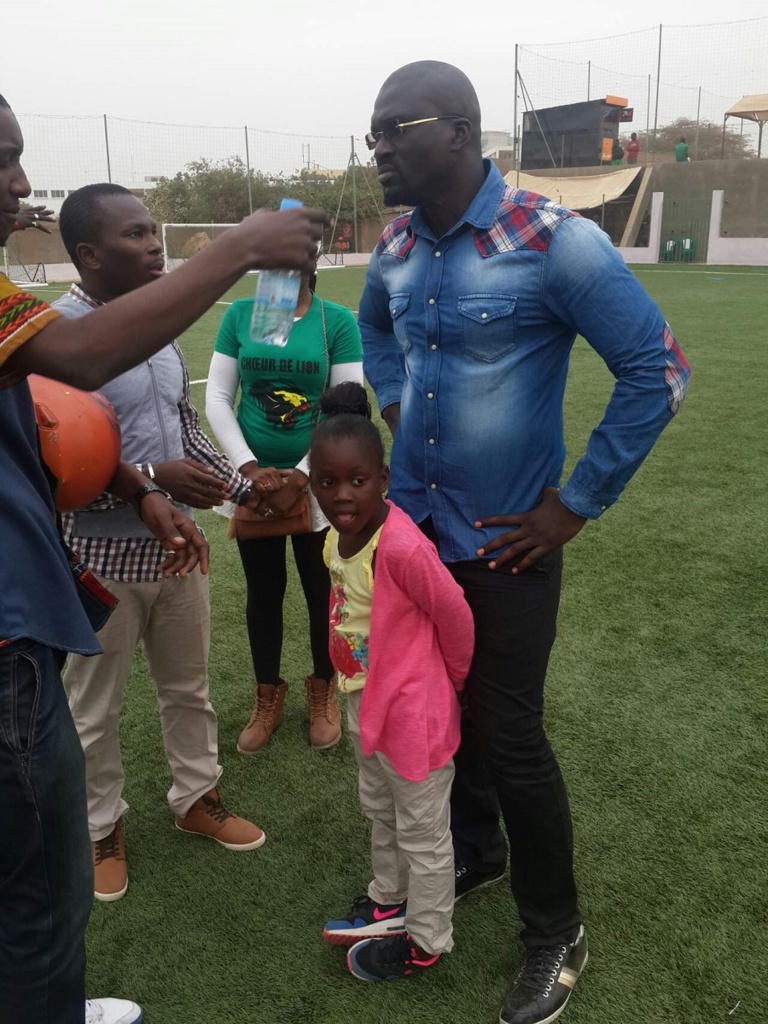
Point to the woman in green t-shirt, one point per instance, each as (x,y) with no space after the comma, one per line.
(267,437)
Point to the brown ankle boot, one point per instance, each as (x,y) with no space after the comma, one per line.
(267,715)
(324,714)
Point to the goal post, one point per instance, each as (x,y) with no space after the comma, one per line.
(180,241)
(22,273)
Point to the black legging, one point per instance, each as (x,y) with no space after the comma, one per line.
(266,577)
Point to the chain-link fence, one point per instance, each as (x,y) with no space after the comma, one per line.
(688,74)
(695,72)
(63,153)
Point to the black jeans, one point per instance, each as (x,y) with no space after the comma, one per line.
(505,762)
(46,864)
(266,578)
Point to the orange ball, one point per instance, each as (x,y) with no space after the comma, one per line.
(79,440)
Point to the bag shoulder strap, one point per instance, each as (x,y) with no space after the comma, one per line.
(325,346)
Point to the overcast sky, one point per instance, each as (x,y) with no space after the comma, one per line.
(308,67)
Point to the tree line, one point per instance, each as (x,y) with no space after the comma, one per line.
(208,192)
(705,140)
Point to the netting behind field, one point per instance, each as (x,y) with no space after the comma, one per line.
(665,73)
(64,153)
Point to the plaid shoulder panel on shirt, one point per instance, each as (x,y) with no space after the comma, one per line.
(677,374)
(524,220)
(22,315)
(396,240)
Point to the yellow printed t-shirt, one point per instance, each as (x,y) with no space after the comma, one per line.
(351,599)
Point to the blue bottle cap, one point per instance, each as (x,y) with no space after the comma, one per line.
(290,204)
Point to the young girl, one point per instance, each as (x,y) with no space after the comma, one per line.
(401,642)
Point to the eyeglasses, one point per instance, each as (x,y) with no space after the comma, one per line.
(392,128)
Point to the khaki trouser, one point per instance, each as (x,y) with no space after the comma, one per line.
(172,618)
(411,846)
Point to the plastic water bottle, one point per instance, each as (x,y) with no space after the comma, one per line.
(274,306)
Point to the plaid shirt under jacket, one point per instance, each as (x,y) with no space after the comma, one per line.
(136,559)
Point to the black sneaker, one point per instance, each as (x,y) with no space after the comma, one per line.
(388,959)
(468,879)
(544,984)
(366,920)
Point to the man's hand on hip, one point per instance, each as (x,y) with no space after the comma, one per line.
(546,527)
(391,416)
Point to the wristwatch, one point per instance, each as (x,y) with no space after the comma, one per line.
(245,496)
(143,491)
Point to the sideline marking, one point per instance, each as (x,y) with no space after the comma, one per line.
(641,268)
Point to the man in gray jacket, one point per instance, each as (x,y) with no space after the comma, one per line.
(112,240)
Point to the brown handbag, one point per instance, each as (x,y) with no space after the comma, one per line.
(246,524)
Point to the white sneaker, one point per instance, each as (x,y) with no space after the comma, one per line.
(112,1011)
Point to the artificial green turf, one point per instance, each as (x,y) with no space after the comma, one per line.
(656,708)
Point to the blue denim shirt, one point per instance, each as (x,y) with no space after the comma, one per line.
(472,334)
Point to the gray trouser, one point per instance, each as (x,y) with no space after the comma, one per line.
(411,846)
(172,618)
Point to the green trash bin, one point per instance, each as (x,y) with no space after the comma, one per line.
(669,251)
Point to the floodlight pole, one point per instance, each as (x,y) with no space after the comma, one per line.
(106,147)
(248,170)
(589,78)
(514,124)
(354,187)
(698,115)
(658,82)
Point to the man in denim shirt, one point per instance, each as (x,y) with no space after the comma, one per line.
(471,307)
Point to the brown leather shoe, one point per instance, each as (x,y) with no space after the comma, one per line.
(209,817)
(324,713)
(267,715)
(110,871)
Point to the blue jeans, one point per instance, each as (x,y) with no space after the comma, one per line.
(46,864)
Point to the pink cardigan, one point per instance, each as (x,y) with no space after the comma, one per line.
(421,642)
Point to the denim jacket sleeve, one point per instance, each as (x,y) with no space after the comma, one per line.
(587,285)
(383,359)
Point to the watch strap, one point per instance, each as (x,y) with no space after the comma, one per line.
(146,489)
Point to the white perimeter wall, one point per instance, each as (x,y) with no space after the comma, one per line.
(723,251)
(741,252)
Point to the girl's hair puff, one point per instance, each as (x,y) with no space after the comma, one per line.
(345,412)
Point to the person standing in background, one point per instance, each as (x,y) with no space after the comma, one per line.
(633,149)
(268,440)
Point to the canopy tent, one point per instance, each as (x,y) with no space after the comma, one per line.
(750,108)
(586,192)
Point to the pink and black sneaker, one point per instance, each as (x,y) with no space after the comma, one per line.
(366,920)
(388,959)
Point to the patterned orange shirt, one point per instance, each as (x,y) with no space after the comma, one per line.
(22,315)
